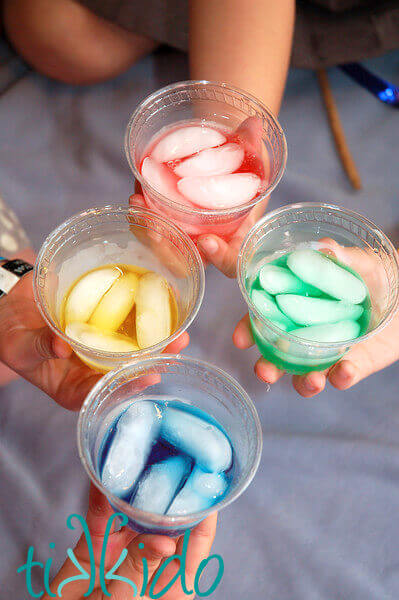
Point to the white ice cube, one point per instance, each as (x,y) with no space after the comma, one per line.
(220,191)
(162,180)
(214,161)
(87,293)
(136,431)
(160,483)
(200,492)
(204,442)
(89,335)
(185,141)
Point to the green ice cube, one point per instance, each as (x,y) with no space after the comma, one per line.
(269,309)
(329,333)
(313,311)
(317,269)
(278,280)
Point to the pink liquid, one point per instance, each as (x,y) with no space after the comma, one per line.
(207,191)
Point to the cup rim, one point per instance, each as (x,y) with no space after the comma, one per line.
(202,211)
(154,518)
(285,334)
(119,209)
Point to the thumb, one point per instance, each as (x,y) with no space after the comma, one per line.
(30,348)
(220,254)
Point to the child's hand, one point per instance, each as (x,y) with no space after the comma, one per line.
(156,549)
(223,255)
(364,359)
(31,349)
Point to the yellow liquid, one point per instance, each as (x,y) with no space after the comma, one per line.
(127,328)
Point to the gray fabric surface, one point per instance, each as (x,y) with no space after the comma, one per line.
(320,521)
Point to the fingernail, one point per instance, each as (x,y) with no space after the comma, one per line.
(309,386)
(209,245)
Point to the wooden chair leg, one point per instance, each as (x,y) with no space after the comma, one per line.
(337,131)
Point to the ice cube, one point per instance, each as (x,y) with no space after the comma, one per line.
(159,484)
(87,293)
(116,304)
(278,280)
(220,191)
(204,442)
(305,310)
(269,309)
(94,338)
(214,161)
(162,180)
(153,316)
(136,431)
(329,333)
(315,268)
(185,141)
(200,492)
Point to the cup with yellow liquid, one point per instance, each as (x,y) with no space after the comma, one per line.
(118,283)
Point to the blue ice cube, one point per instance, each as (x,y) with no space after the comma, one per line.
(160,483)
(200,492)
(207,445)
(136,431)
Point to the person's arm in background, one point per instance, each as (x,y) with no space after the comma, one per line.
(246,44)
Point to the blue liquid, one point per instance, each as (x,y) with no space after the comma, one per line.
(161,450)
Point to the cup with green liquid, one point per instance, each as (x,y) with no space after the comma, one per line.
(317,279)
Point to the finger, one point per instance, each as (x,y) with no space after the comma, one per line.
(367,357)
(97,518)
(199,546)
(61,348)
(98,515)
(310,384)
(179,344)
(137,187)
(267,371)
(346,373)
(31,348)
(219,253)
(145,554)
(137,200)
(242,335)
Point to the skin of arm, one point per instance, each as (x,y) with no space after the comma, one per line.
(246,44)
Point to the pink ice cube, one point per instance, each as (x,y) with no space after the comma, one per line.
(213,161)
(162,180)
(220,191)
(185,141)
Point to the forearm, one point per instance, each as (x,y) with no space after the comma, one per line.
(247,44)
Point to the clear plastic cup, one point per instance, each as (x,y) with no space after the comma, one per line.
(357,243)
(199,383)
(117,234)
(214,102)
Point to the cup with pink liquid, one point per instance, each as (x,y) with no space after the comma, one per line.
(205,154)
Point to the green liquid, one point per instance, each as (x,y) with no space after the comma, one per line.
(278,351)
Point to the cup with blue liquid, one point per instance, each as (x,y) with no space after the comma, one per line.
(169,440)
